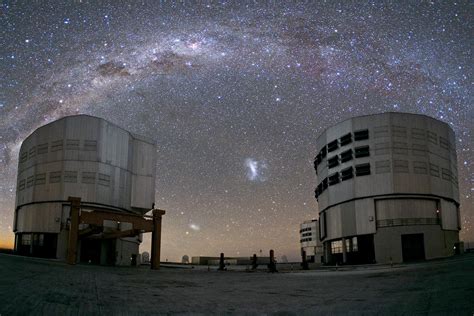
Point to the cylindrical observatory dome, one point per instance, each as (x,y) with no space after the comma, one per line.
(387,189)
(87,157)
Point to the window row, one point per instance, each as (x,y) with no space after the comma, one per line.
(306,239)
(351,245)
(342,141)
(307,229)
(345,174)
(417,167)
(358,152)
(383,148)
(27,240)
(408,221)
(416,133)
(59,145)
(307,234)
(402,148)
(65,176)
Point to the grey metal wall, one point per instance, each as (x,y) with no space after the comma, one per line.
(411,157)
(87,157)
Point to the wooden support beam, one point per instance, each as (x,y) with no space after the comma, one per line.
(90,231)
(118,234)
(98,218)
(73,229)
(156,239)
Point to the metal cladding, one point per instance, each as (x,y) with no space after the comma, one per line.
(383,177)
(103,164)
(310,244)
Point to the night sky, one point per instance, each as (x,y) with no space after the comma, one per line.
(235,96)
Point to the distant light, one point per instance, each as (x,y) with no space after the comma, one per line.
(194,46)
(194,227)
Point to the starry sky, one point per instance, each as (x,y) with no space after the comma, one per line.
(235,95)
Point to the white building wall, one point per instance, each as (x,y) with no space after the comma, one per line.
(85,157)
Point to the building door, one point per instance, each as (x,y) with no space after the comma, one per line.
(90,250)
(365,249)
(413,247)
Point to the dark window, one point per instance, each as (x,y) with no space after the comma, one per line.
(72,144)
(333,161)
(362,169)
(361,135)
(42,149)
(434,170)
(21,185)
(420,167)
(347,173)
(400,148)
(362,151)
(419,149)
(346,155)
(332,146)
(319,158)
(30,181)
(23,156)
(336,246)
(346,139)
(319,189)
(55,177)
(443,143)
(399,131)
(104,179)
(90,145)
(88,177)
(40,178)
(334,178)
(325,184)
(323,153)
(26,239)
(317,161)
(70,176)
(432,138)
(446,174)
(57,145)
(417,133)
(322,225)
(32,152)
(400,166)
(316,194)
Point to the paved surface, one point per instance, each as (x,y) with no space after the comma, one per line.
(34,286)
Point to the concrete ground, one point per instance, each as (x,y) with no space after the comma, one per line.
(42,287)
